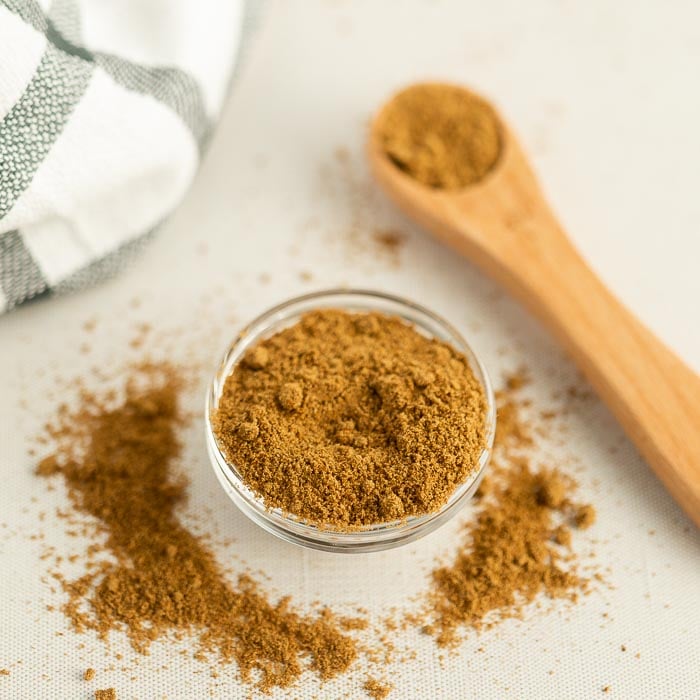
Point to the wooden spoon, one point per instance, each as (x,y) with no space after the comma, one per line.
(504,225)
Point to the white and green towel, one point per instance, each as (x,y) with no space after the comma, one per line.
(105,107)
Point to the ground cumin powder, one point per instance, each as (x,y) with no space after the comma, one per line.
(107,694)
(518,546)
(118,460)
(349,419)
(376,689)
(442,135)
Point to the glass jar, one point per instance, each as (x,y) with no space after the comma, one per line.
(291,528)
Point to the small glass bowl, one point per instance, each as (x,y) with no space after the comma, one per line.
(288,527)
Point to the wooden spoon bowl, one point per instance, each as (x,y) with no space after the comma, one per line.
(504,225)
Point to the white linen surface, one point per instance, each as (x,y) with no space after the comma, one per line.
(604,98)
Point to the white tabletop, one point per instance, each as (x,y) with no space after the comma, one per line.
(604,96)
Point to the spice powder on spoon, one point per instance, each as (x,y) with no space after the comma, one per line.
(443,136)
(350,419)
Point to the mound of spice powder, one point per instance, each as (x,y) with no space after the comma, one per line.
(118,460)
(441,135)
(349,419)
(517,548)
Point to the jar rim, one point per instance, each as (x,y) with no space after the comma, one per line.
(291,528)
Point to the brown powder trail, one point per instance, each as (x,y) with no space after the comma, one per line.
(517,549)
(118,461)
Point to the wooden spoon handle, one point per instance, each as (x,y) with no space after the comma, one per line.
(654,395)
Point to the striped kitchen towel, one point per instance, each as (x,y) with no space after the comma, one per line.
(105,107)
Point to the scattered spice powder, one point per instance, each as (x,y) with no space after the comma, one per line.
(349,419)
(118,456)
(389,241)
(512,550)
(441,135)
(389,238)
(118,461)
(378,690)
(585,516)
(107,694)
(89,674)
(363,227)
